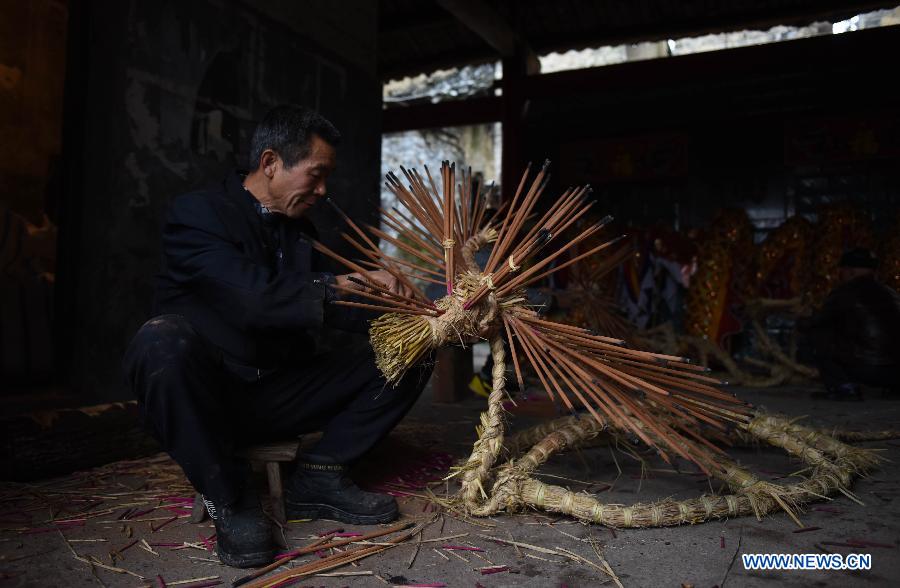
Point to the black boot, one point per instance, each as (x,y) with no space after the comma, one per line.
(243,534)
(320,489)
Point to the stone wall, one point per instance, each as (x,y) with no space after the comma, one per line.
(169,95)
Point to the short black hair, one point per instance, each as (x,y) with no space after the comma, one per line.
(287,130)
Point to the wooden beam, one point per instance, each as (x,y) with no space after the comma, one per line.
(515,74)
(412,64)
(735,64)
(485,22)
(683,22)
(425,16)
(443,114)
(765,17)
(866,49)
(482,20)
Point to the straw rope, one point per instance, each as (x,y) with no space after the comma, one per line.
(859,436)
(474,243)
(490,433)
(519,442)
(834,466)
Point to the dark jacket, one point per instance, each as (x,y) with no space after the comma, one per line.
(860,321)
(221,271)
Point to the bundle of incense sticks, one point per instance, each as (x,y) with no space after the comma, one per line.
(660,398)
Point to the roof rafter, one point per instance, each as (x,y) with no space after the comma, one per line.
(493,29)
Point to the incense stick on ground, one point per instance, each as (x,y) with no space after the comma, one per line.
(315,546)
(337,560)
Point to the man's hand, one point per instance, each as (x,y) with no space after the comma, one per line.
(381,278)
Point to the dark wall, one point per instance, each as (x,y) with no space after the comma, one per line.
(32,64)
(776,129)
(32,61)
(162,97)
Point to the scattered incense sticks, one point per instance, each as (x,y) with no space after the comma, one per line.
(146,547)
(461,548)
(313,547)
(867,543)
(154,528)
(128,545)
(344,574)
(62,525)
(333,561)
(141,513)
(196,582)
(493,570)
(207,541)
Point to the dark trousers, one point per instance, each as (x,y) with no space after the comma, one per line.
(202,411)
(837,367)
(836,371)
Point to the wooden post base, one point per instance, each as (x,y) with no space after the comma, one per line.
(452,373)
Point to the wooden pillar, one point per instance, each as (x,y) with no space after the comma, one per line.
(452,374)
(513,103)
(515,107)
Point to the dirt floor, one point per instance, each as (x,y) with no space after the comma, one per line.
(62,532)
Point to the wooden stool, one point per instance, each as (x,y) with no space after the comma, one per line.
(271,455)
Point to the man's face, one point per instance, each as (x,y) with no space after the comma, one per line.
(295,190)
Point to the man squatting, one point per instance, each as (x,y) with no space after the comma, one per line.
(229,359)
